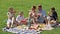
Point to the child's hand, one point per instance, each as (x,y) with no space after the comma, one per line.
(39,14)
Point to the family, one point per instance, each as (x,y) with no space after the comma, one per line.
(34,17)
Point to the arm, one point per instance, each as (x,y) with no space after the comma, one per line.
(45,17)
(56,17)
(17,19)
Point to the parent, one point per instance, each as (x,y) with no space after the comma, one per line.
(32,14)
(42,15)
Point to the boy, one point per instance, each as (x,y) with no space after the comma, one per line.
(20,17)
(54,14)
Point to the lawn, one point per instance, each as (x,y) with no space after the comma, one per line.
(25,5)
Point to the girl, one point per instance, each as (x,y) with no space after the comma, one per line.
(11,16)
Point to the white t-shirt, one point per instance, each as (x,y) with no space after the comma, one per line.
(19,18)
(48,18)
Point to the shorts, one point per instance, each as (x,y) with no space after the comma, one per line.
(9,21)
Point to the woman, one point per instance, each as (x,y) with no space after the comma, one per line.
(33,14)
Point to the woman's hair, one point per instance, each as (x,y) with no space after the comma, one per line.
(34,7)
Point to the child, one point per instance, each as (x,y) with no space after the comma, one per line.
(54,14)
(20,17)
(11,15)
(51,17)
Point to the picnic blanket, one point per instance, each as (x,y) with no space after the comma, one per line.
(21,30)
(24,29)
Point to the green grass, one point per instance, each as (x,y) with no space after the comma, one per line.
(25,5)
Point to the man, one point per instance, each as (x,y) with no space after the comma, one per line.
(42,17)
